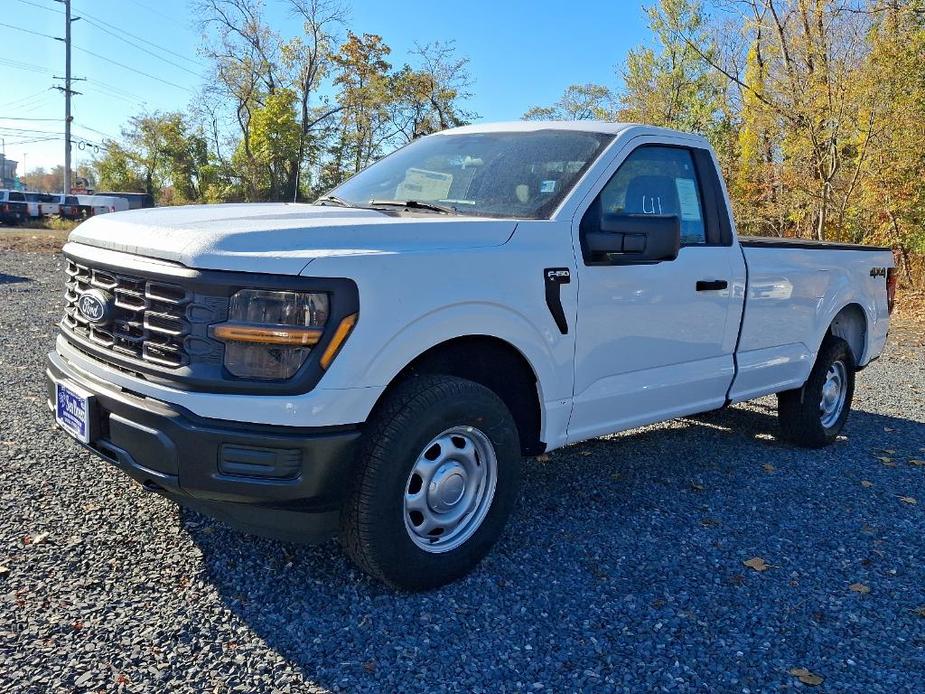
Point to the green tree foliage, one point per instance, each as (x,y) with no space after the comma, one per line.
(160,154)
(816,109)
(272,146)
(671,85)
(891,191)
(348,103)
(578,102)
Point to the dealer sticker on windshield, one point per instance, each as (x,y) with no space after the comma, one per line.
(72,411)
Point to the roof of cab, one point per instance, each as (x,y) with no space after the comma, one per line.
(594,126)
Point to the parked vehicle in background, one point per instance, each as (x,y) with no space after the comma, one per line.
(69,207)
(136,201)
(50,205)
(33,204)
(14,209)
(102,204)
(374,366)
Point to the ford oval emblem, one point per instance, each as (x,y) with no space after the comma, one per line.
(95,306)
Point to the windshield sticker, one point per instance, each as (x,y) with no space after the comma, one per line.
(420,184)
(687,198)
(548,187)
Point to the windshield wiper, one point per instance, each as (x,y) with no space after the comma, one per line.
(415,205)
(334,200)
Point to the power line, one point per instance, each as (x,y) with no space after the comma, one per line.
(89,16)
(142,48)
(29,31)
(131,69)
(153,11)
(28,67)
(114,89)
(24,99)
(117,97)
(98,132)
(57,120)
(41,7)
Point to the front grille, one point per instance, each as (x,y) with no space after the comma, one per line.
(151,321)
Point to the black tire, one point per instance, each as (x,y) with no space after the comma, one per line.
(373,521)
(799,411)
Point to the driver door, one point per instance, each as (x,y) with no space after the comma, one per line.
(654,339)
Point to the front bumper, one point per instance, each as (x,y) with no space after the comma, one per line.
(284,482)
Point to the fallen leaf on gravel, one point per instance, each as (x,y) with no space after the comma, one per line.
(807,677)
(542,458)
(859,588)
(908,500)
(369,666)
(616,477)
(4,571)
(584,453)
(888,429)
(867,483)
(886,460)
(768,467)
(40,538)
(709,522)
(920,611)
(756,563)
(696,487)
(916,461)
(887,451)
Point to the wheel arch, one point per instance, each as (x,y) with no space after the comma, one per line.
(494,363)
(850,323)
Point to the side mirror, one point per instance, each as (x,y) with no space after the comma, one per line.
(628,239)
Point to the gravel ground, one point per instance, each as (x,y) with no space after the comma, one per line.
(622,568)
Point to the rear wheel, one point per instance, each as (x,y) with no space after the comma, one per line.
(437,479)
(813,416)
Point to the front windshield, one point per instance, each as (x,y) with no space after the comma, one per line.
(498,174)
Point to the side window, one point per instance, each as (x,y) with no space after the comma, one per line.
(658,181)
(17,197)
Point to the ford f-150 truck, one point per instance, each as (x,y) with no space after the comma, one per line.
(375,366)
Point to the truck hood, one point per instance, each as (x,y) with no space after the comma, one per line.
(280,238)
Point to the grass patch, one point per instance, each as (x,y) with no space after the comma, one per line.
(48,224)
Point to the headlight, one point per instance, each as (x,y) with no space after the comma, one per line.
(269,334)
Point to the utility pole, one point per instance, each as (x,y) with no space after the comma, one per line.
(67,97)
(68,92)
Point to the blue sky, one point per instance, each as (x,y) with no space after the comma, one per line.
(522,54)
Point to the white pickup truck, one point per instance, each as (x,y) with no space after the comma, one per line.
(374,366)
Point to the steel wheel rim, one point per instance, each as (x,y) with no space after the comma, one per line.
(834,393)
(450,489)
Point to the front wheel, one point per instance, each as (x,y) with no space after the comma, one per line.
(437,479)
(813,416)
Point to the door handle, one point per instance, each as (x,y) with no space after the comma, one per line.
(711,285)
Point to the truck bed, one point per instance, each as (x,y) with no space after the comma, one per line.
(792,298)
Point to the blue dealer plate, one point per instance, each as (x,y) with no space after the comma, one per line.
(72,411)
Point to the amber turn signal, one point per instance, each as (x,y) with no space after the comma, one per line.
(340,335)
(267,335)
